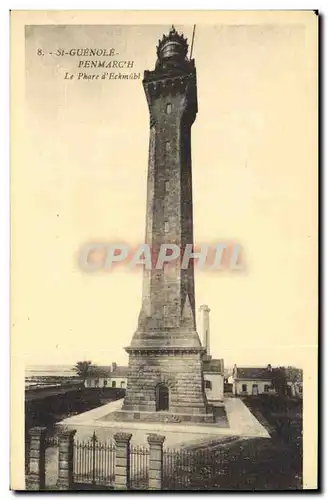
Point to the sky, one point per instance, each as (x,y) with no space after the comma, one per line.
(82,178)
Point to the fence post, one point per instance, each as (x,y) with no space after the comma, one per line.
(155,461)
(36,477)
(122,460)
(65,461)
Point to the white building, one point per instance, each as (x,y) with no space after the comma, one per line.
(108,376)
(252,381)
(214,380)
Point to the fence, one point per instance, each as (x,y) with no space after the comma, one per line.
(94,463)
(190,469)
(139,468)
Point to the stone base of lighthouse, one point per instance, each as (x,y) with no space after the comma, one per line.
(165,385)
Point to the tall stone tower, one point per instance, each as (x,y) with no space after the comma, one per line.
(165,380)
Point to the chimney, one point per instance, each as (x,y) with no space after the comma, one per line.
(205,322)
(114,366)
(269,368)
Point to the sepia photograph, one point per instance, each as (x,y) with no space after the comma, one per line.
(164,235)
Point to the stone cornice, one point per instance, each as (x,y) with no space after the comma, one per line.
(37,431)
(64,431)
(167,350)
(122,437)
(155,439)
(168,85)
(187,69)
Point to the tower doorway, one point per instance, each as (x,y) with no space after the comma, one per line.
(162,397)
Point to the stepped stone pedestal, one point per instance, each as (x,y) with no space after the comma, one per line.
(178,370)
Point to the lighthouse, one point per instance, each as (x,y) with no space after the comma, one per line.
(165,379)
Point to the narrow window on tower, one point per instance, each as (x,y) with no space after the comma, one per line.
(166,186)
(166,226)
(168,146)
(169,108)
(165,311)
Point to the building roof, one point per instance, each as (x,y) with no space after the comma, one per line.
(213,366)
(253,373)
(107,372)
(292,374)
(120,371)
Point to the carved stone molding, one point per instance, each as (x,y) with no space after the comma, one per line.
(167,351)
(155,439)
